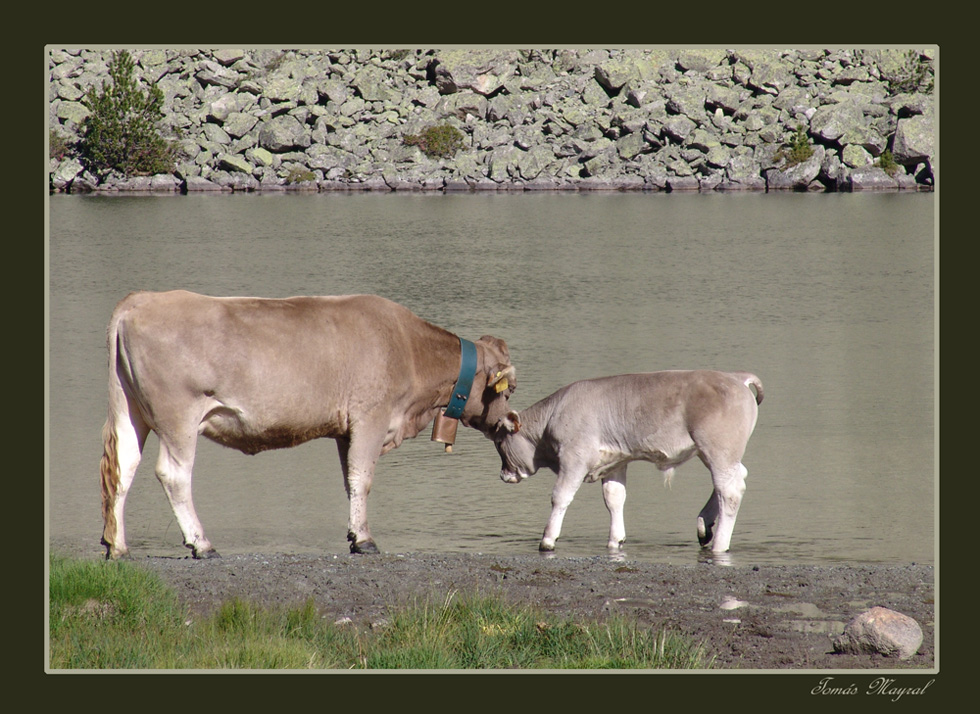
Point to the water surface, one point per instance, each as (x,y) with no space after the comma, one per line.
(829,298)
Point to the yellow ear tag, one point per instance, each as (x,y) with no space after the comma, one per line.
(501,385)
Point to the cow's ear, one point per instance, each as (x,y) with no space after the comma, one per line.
(500,373)
(502,379)
(512,422)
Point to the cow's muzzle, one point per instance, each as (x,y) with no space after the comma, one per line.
(512,477)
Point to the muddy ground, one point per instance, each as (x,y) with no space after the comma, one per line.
(748,617)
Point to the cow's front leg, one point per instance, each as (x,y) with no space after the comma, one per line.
(614,495)
(358,470)
(566,486)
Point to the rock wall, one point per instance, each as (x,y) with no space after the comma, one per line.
(566,119)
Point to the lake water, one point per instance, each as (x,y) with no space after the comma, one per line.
(829,298)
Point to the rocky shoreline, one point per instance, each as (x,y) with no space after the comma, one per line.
(563,119)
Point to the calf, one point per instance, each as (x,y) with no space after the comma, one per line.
(593,429)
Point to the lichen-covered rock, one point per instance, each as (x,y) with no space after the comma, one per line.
(633,119)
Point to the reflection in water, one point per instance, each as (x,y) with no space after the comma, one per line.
(709,557)
(828,298)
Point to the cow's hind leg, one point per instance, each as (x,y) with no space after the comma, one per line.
(123,439)
(716,522)
(614,495)
(174,470)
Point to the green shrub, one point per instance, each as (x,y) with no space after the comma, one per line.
(437,141)
(120,134)
(915,75)
(300,176)
(887,163)
(797,151)
(398,55)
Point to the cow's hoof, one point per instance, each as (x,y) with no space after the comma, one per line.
(546,547)
(113,553)
(365,547)
(206,554)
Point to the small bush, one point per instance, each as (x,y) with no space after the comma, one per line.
(915,75)
(120,133)
(58,145)
(887,163)
(398,55)
(797,151)
(300,176)
(441,141)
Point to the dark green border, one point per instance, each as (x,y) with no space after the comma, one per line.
(398,25)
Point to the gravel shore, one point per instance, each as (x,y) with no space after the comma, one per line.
(748,617)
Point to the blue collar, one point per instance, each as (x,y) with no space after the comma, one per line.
(467,370)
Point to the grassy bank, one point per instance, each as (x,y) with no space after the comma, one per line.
(106,615)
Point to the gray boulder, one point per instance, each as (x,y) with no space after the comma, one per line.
(881,631)
(914,140)
(65,173)
(283,133)
(870,178)
(832,121)
(481,71)
(799,176)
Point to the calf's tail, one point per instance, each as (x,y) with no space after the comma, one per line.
(750,380)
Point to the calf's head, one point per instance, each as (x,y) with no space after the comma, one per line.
(516,451)
(495,381)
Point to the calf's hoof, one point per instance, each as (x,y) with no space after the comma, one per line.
(705,533)
(205,554)
(546,547)
(366,547)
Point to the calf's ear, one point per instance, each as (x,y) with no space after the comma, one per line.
(512,422)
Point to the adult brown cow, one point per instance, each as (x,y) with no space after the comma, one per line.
(259,373)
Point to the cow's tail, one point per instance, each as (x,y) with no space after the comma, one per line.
(750,380)
(109,467)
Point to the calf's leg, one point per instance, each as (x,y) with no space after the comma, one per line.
(614,495)
(706,520)
(567,484)
(721,510)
